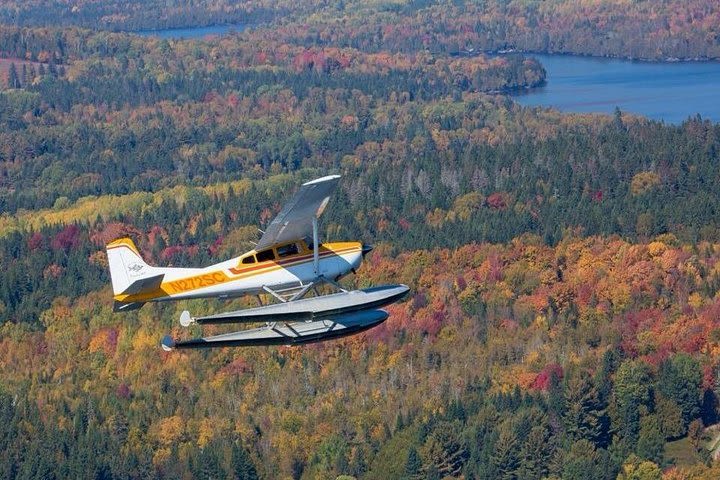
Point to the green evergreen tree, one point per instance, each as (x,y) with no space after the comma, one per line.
(556,395)
(13,79)
(505,453)
(536,453)
(413,464)
(669,417)
(580,462)
(651,442)
(632,392)
(584,416)
(207,465)
(399,422)
(433,473)
(680,380)
(358,462)
(242,466)
(445,448)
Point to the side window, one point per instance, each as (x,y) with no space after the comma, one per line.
(266,255)
(248,260)
(287,250)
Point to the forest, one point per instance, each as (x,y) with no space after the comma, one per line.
(564,315)
(641,29)
(137,14)
(598,349)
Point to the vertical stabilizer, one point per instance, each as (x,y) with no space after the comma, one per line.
(126,265)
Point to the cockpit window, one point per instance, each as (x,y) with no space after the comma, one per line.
(248,260)
(287,250)
(266,255)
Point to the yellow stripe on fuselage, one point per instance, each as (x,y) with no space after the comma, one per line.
(196,282)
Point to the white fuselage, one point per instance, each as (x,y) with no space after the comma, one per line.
(229,279)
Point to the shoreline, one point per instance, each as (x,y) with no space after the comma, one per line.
(513,51)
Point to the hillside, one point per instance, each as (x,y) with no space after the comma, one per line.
(671,29)
(594,348)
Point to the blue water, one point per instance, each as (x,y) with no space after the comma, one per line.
(663,91)
(671,92)
(191,32)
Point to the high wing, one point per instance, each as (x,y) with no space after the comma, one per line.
(294,222)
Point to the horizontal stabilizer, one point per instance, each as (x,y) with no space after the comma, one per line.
(126,307)
(288,334)
(146,284)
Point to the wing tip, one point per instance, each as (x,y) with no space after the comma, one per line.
(326,178)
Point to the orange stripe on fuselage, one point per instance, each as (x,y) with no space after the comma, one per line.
(288,261)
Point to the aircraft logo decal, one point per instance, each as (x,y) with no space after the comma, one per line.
(135,268)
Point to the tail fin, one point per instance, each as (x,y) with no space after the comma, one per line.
(128,271)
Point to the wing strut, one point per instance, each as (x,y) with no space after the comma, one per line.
(316,246)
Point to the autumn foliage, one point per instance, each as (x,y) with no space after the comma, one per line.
(522,316)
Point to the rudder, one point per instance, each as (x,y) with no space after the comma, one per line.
(126,265)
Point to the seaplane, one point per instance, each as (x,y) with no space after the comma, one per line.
(288,264)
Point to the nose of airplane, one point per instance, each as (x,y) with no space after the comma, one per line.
(366,249)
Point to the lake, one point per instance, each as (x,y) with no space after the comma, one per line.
(191,32)
(670,91)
